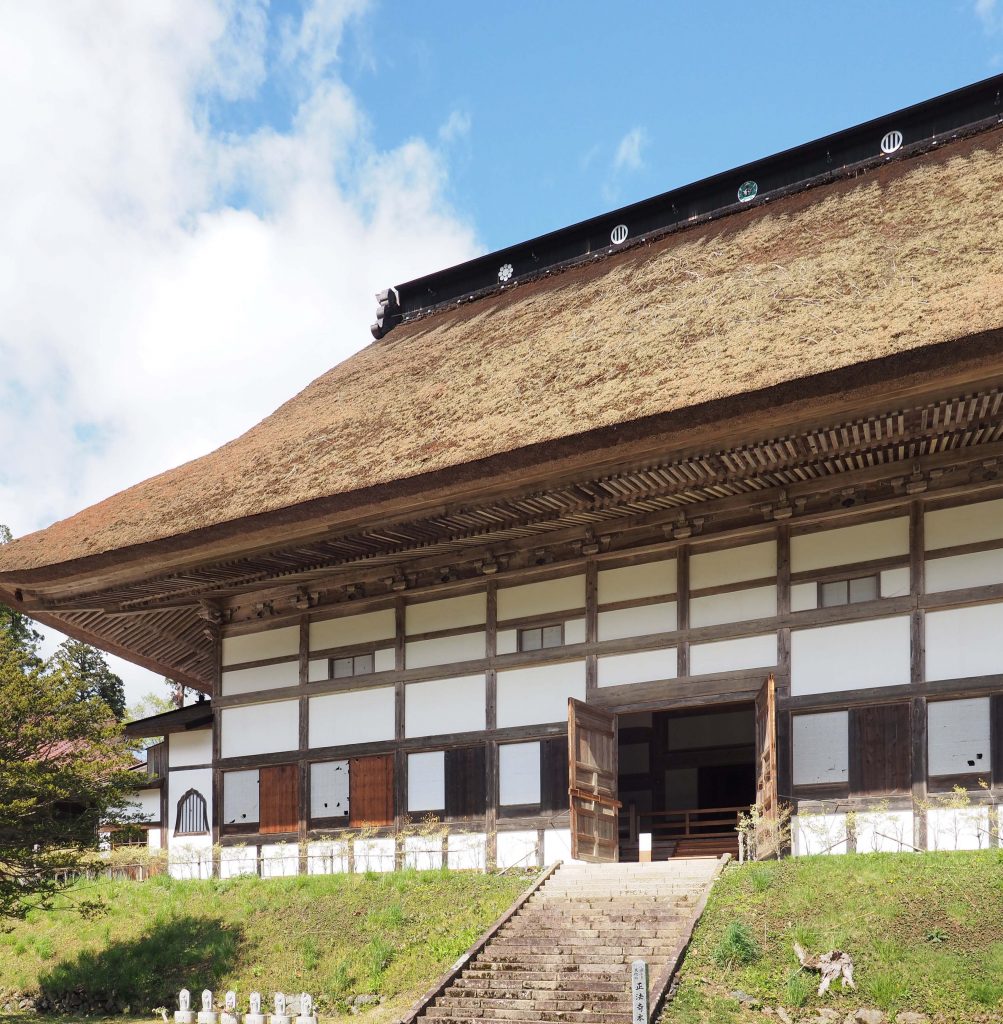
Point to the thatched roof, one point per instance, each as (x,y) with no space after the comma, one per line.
(905,257)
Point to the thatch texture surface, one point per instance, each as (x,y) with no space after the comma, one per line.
(908,256)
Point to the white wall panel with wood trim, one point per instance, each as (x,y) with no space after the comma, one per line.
(240,797)
(269,643)
(187,748)
(260,728)
(958,737)
(642,620)
(528,696)
(442,706)
(445,649)
(451,613)
(733,565)
(865,542)
(356,716)
(964,524)
(733,606)
(352,629)
(329,789)
(963,642)
(541,598)
(426,781)
(265,677)
(850,656)
(640,667)
(650,579)
(976,569)
(733,655)
(821,748)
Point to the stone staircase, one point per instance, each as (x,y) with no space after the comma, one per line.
(565,954)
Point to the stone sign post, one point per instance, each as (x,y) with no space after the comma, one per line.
(639,992)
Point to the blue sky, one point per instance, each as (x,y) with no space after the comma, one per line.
(562,109)
(199,198)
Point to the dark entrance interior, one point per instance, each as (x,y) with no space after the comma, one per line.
(684,776)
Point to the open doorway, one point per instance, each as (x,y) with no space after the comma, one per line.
(683,778)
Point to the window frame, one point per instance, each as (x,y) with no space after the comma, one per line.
(353,658)
(200,804)
(541,628)
(846,582)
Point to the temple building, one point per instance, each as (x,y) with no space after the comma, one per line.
(604,538)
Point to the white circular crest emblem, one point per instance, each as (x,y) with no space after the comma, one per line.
(618,234)
(891,142)
(505,272)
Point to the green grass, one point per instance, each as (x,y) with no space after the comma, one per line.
(334,936)
(925,932)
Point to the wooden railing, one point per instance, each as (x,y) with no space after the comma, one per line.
(705,823)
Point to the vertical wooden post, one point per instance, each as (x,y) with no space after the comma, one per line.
(304,744)
(683,609)
(917,586)
(490,724)
(212,628)
(783,676)
(591,625)
(400,757)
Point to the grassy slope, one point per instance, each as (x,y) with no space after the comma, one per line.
(925,932)
(333,936)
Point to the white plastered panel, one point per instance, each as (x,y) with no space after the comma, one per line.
(804,596)
(884,831)
(517,849)
(519,773)
(329,789)
(733,565)
(426,781)
(240,797)
(958,829)
(444,706)
(963,642)
(466,851)
(445,649)
(352,629)
(733,655)
(280,860)
(815,834)
(976,569)
(357,716)
(260,728)
(821,748)
(374,855)
(452,613)
(385,659)
(895,582)
(269,643)
(178,783)
(652,579)
(147,803)
(574,631)
(541,598)
(238,860)
(958,737)
(507,641)
(966,524)
(319,670)
(185,748)
(640,621)
(640,667)
(734,606)
(850,656)
(265,677)
(423,853)
(861,543)
(528,696)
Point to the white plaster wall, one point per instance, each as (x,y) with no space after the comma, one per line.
(966,524)
(517,849)
(147,803)
(188,748)
(467,851)
(976,569)
(850,656)
(884,831)
(964,642)
(804,596)
(895,582)
(557,846)
(640,667)
(519,773)
(423,853)
(385,660)
(821,748)
(240,797)
(652,579)
(352,629)
(327,858)
(733,565)
(452,613)
(238,860)
(540,598)
(269,643)
(374,855)
(734,606)
(958,828)
(574,631)
(260,728)
(445,649)
(445,706)
(426,781)
(265,677)
(280,860)
(861,543)
(958,738)
(733,655)
(178,783)
(329,789)
(818,834)
(507,641)
(357,716)
(528,696)
(153,839)
(319,670)
(190,859)
(640,621)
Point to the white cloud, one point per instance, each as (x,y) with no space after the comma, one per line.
(629,154)
(456,126)
(987,11)
(163,285)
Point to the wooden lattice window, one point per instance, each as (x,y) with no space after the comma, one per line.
(193,818)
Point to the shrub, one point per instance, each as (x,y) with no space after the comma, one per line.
(736,947)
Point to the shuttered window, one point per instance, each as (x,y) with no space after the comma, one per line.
(192,818)
(465,782)
(538,775)
(880,749)
(554,774)
(278,798)
(371,790)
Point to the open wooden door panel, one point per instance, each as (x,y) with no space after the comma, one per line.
(766,748)
(592,783)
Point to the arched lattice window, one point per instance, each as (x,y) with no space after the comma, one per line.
(193,819)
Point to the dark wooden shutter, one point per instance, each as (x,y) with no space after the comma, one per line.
(996,738)
(592,783)
(371,790)
(880,749)
(278,798)
(554,774)
(465,783)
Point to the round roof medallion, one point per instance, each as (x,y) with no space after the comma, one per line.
(747,191)
(505,272)
(618,234)
(891,142)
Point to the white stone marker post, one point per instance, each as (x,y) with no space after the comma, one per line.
(184,1013)
(254,1014)
(279,1015)
(639,992)
(207,1015)
(229,1014)
(306,1014)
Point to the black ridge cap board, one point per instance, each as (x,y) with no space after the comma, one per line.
(926,123)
